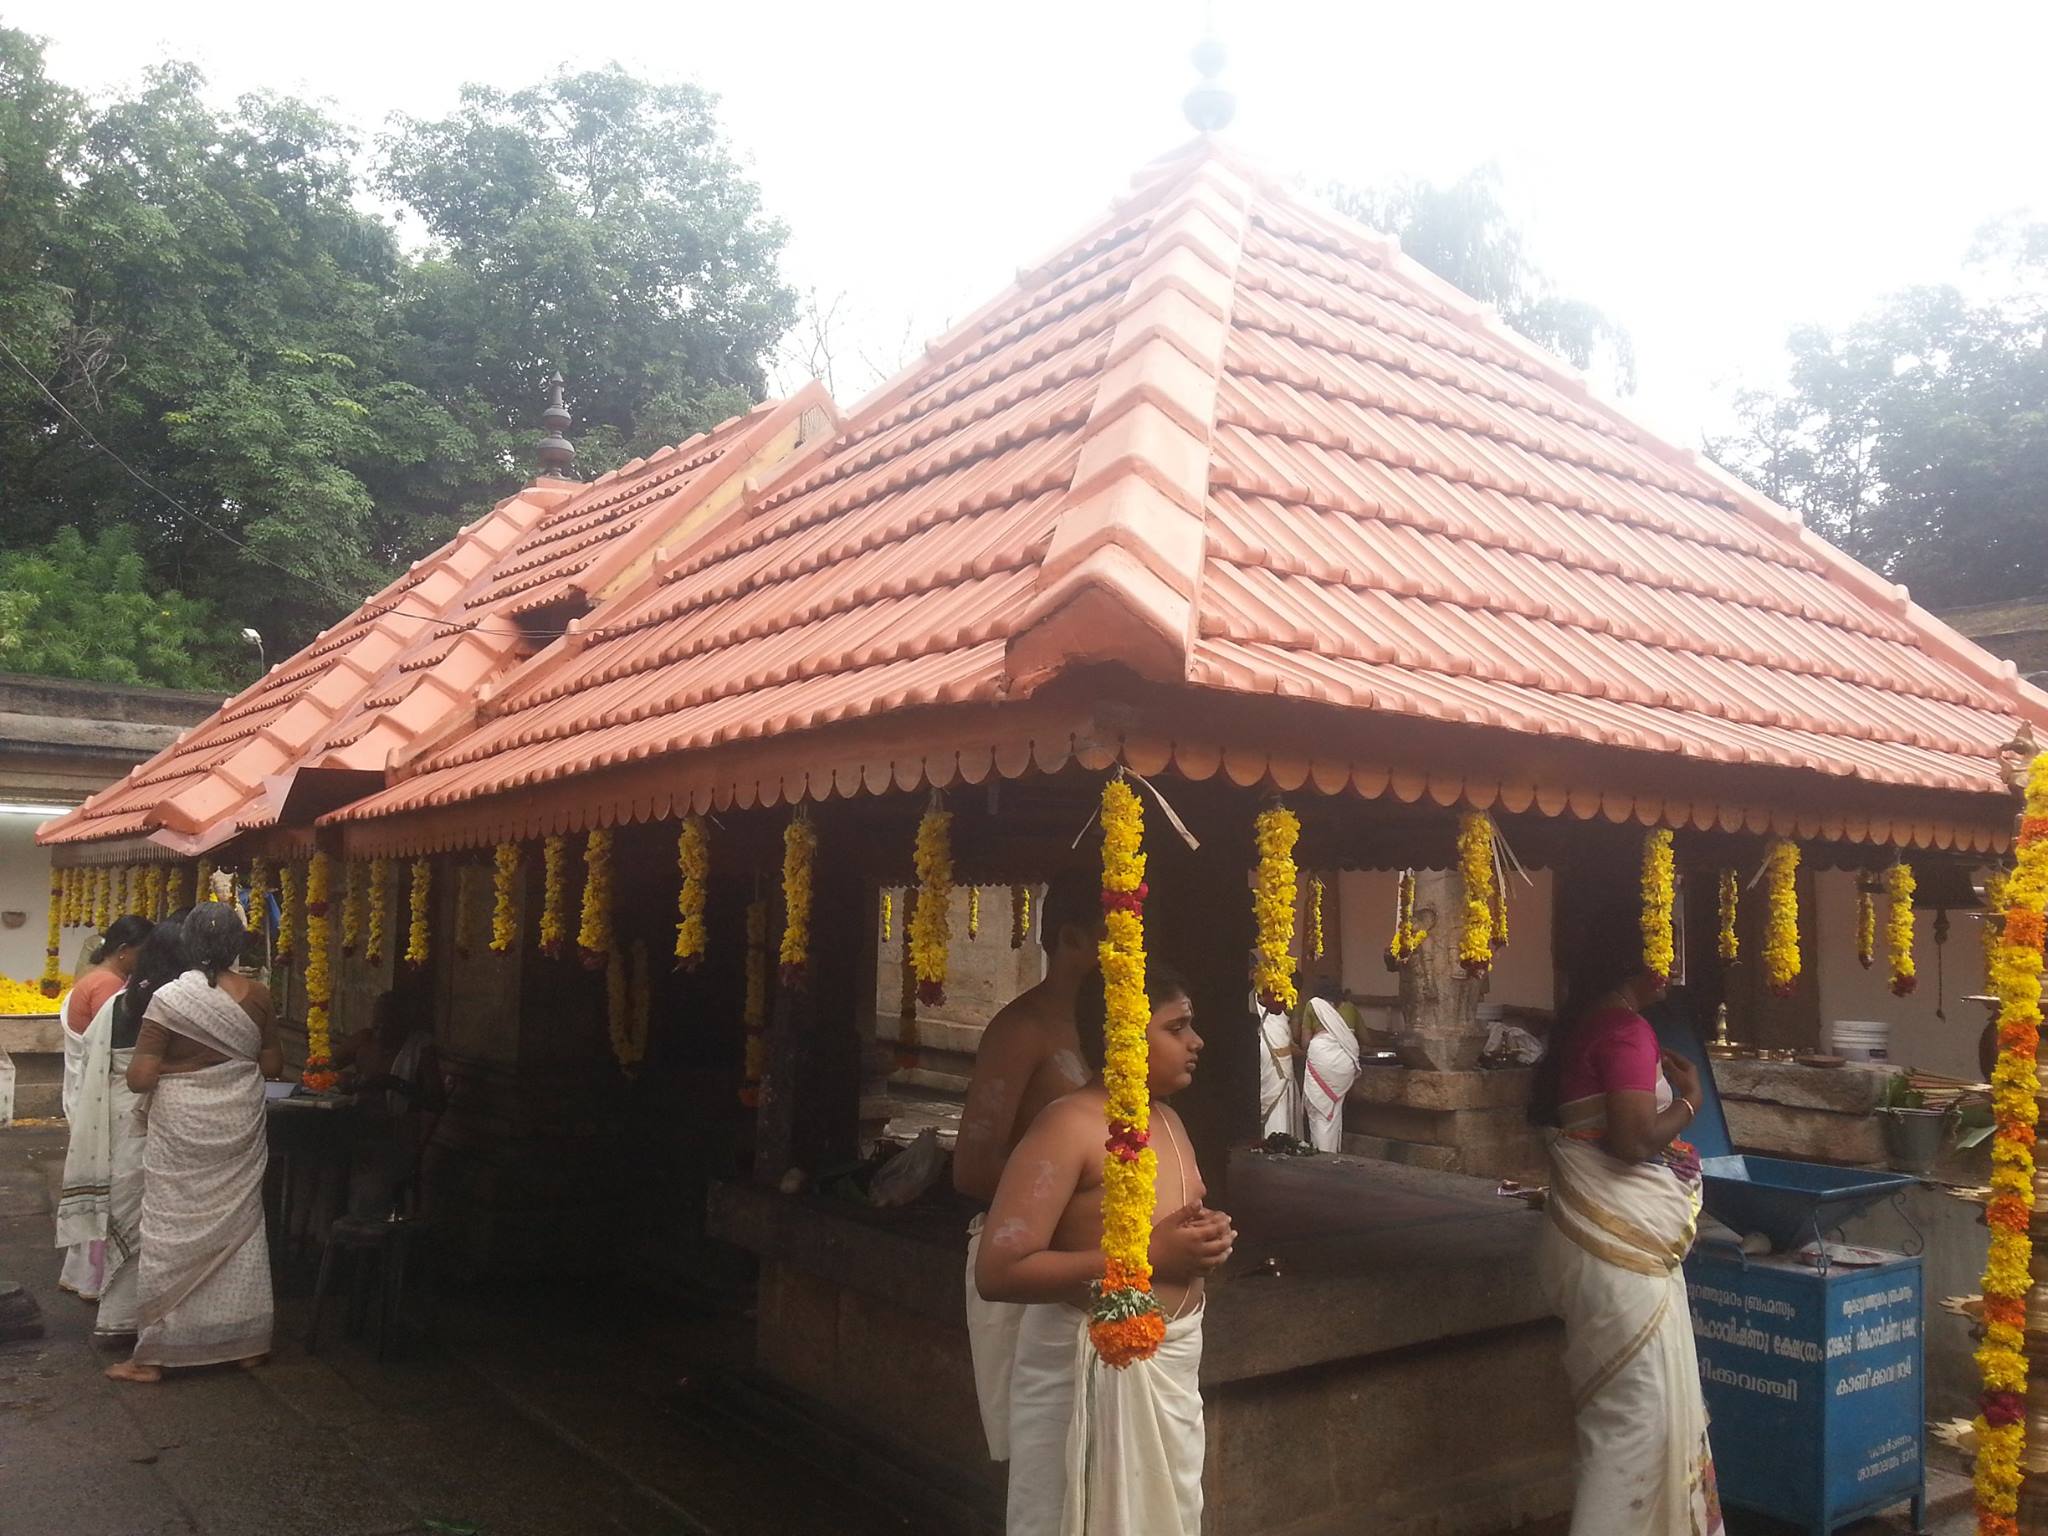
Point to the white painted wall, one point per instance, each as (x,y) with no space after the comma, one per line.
(1847,991)
(25,888)
(1522,973)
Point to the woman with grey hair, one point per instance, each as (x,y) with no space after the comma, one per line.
(208,1041)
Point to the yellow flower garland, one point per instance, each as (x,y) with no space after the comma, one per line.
(253,914)
(1660,895)
(1899,885)
(693,859)
(1475,868)
(465,906)
(628,1006)
(205,892)
(102,904)
(419,897)
(153,892)
(931,927)
(1020,915)
(52,981)
(2001,1357)
(594,930)
(755,1016)
(799,851)
(1315,918)
(504,897)
(380,907)
(352,902)
(888,918)
(119,901)
(1729,944)
(1124,1321)
(287,911)
(319,1070)
(174,888)
(1994,917)
(1275,885)
(1866,923)
(67,899)
(554,904)
(1781,933)
(973,912)
(1407,938)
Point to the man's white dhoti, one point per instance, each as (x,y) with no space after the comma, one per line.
(1096,1451)
(1332,1068)
(992,1342)
(1279,1089)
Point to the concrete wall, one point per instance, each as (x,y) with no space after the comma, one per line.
(1847,991)
(1522,975)
(25,888)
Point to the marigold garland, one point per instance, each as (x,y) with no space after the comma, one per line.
(153,892)
(1315,918)
(888,918)
(67,896)
(1020,915)
(102,904)
(121,882)
(1866,923)
(628,1006)
(693,859)
(594,929)
(318,1074)
(1899,885)
(2001,1357)
(77,884)
(205,890)
(931,926)
(52,981)
(504,897)
(1993,921)
(1728,944)
(799,851)
(465,907)
(419,899)
(755,1016)
(174,888)
(380,908)
(351,909)
(252,915)
(554,905)
(1475,869)
(973,912)
(1407,938)
(1124,1321)
(1781,932)
(1660,895)
(1275,886)
(287,912)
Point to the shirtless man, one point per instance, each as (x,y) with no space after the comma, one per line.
(1140,1427)
(1030,1054)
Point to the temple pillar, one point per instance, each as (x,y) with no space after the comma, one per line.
(1440,1029)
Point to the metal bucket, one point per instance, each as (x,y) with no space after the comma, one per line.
(1913,1138)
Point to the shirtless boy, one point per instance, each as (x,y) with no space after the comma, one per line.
(1142,1425)
(1030,1054)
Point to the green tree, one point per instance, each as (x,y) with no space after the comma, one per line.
(1462,233)
(1917,438)
(88,609)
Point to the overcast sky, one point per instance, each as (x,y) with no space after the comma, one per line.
(1711,175)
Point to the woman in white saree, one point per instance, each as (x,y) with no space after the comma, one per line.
(106,972)
(208,1040)
(1623,1207)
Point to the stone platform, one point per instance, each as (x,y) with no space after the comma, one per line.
(1814,1114)
(1474,1122)
(1391,1292)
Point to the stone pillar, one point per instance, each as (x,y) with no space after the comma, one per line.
(1440,1028)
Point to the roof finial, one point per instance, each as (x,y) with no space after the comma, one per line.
(557,453)
(1208,106)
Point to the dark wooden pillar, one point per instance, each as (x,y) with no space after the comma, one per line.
(810,1096)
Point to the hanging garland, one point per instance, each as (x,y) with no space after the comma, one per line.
(287,911)
(1866,922)
(1781,933)
(1275,886)
(318,1075)
(973,913)
(693,858)
(1729,946)
(1899,885)
(253,915)
(888,918)
(102,900)
(465,905)
(419,896)
(1475,868)
(174,888)
(2001,1357)
(119,900)
(755,1016)
(1124,1320)
(799,851)
(137,884)
(153,892)
(67,897)
(1315,918)
(628,1005)
(504,897)
(1020,915)
(380,907)
(351,909)
(554,904)
(1660,897)
(931,929)
(1993,915)
(594,930)
(1407,938)
(906,993)
(52,981)
(205,890)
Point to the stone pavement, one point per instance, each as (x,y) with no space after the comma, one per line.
(574,1411)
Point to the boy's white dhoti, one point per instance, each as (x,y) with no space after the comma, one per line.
(992,1342)
(1096,1451)
(1332,1068)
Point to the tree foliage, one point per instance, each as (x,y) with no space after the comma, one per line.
(1917,438)
(88,609)
(1463,234)
(203,293)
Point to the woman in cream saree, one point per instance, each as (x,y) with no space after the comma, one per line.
(1623,1207)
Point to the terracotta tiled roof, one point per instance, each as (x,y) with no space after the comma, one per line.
(411,662)
(1241,447)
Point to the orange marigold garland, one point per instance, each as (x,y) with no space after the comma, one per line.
(693,859)
(2001,1357)
(756,1014)
(318,1074)
(1899,885)
(554,903)
(1781,931)
(1124,1319)
(52,981)
(799,850)
(1660,898)
(931,920)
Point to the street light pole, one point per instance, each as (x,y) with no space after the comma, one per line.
(256,640)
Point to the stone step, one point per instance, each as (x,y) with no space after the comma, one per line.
(38,1085)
